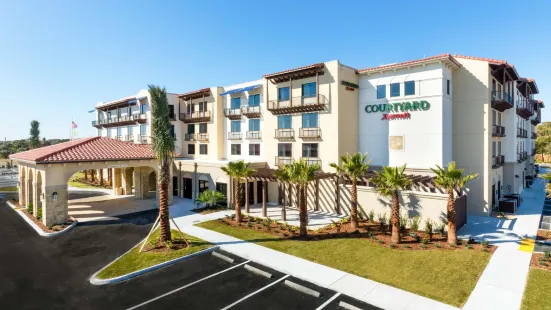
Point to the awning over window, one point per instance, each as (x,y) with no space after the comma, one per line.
(249,88)
(240,90)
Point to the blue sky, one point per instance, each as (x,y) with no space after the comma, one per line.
(59,58)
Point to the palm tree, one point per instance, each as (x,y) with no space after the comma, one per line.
(210,198)
(238,171)
(389,182)
(163,147)
(353,166)
(451,179)
(300,173)
(283,176)
(34,139)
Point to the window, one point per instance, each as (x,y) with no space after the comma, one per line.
(381,91)
(190,128)
(235,103)
(254,149)
(409,88)
(191,149)
(236,149)
(190,108)
(309,150)
(494,150)
(203,150)
(394,89)
(130,130)
(109,132)
(285,149)
(143,108)
(172,131)
(222,188)
(448,89)
(170,111)
(283,93)
(284,121)
(203,128)
(254,125)
(236,126)
(499,147)
(100,132)
(203,185)
(310,120)
(309,90)
(143,130)
(202,106)
(119,131)
(254,100)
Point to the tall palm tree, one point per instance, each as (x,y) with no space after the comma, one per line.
(300,173)
(238,171)
(210,198)
(353,166)
(389,182)
(451,179)
(283,176)
(163,147)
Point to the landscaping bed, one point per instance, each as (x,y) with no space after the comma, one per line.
(543,235)
(541,261)
(78,180)
(435,271)
(210,209)
(9,189)
(537,293)
(37,220)
(152,255)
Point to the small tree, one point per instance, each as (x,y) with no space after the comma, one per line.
(34,139)
(451,179)
(354,166)
(389,182)
(210,198)
(238,171)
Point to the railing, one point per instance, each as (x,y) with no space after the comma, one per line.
(498,131)
(235,135)
(522,133)
(196,115)
(249,111)
(202,136)
(284,133)
(129,138)
(525,108)
(232,113)
(144,139)
(189,137)
(283,160)
(502,96)
(309,132)
(121,119)
(522,156)
(254,134)
(498,161)
(312,160)
(297,102)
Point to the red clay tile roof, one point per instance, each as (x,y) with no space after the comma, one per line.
(490,60)
(199,91)
(411,62)
(318,65)
(87,149)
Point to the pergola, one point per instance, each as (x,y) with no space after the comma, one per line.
(423,183)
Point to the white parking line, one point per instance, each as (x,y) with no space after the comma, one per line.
(186,286)
(256,292)
(328,302)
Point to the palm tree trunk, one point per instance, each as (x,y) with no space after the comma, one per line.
(395,238)
(354,198)
(303,214)
(237,206)
(86,175)
(164,176)
(452,235)
(101,177)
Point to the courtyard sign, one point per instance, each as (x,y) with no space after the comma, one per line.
(404,109)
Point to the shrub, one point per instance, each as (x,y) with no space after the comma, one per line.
(30,207)
(392,245)
(380,241)
(417,238)
(465,242)
(276,231)
(437,245)
(39,214)
(452,246)
(249,224)
(543,263)
(414,223)
(405,246)
(403,222)
(546,255)
(441,228)
(485,243)
(382,219)
(360,214)
(469,246)
(371,216)
(337,225)
(425,241)
(285,234)
(428,229)
(423,246)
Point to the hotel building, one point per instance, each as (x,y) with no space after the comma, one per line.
(479,112)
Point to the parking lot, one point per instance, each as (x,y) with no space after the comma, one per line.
(8,177)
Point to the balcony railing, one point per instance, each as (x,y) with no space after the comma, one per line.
(251,111)
(522,133)
(189,137)
(298,104)
(501,100)
(312,160)
(235,135)
(144,139)
(309,133)
(232,113)
(123,120)
(283,160)
(534,135)
(129,138)
(525,108)
(498,131)
(195,117)
(202,136)
(522,156)
(119,138)
(284,133)
(498,161)
(254,135)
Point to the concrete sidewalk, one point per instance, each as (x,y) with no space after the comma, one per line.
(372,292)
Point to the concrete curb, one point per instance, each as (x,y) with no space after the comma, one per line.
(96,281)
(38,229)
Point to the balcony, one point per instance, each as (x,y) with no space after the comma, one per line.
(232,114)
(298,105)
(143,139)
(534,135)
(522,133)
(312,160)
(284,133)
(501,100)
(283,160)
(129,138)
(251,112)
(202,136)
(498,131)
(189,137)
(120,121)
(498,161)
(195,117)
(525,108)
(522,156)
(252,135)
(309,133)
(235,136)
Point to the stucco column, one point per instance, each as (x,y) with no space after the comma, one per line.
(36,197)
(29,192)
(22,190)
(141,183)
(117,180)
(127,181)
(55,209)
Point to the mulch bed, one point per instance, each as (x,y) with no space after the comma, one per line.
(207,210)
(539,261)
(543,235)
(370,231)
(156,246)
(39,223)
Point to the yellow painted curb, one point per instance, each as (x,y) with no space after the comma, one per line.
(527,245)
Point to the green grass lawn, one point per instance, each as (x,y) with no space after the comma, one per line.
(8,189)
(134,260)
(448,276)
(537,294)
(74,183)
